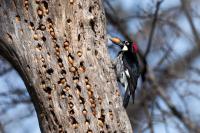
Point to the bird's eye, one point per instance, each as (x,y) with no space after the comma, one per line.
(127,43)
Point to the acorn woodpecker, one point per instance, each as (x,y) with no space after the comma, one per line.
(127,68)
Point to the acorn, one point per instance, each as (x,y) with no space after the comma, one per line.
(115,40)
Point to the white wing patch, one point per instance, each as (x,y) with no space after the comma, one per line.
(124,80)
(125,48)
(127,73)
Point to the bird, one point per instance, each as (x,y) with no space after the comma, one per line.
(126,67)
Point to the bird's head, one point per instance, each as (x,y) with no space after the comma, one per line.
(125,45)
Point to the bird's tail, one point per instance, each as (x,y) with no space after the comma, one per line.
(126,98)
(130,92)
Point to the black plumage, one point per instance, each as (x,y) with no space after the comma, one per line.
(127,70)
(130,63)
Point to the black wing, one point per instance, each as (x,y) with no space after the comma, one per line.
(131,65)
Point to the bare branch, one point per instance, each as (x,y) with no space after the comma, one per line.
(153,27)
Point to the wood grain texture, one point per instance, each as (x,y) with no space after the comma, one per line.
(59,49)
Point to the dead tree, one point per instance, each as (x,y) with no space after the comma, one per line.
(59,49)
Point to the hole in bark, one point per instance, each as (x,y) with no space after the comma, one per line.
(82,100)
(22,31)
(42,27)
(82,67)
(111,114)
(92,24)
(78,88)
(42,59)
(71,105)
(88,49)
(52,33)
(71,112)
(63,72)
(93,106)
(86,80)
(60,64)
(50,71)
(67,87)
(70,97)
(69,21)
(58,54)
(95,52)
(62,81)
(39,47)
(91,100)
(89,131)
(40,13)
(28,66)
(79,37)
(66,43)
(45,5)
(79,6)
(42,82)
(90,9)
(100,122)
(54,115)
(70,59)
(81,24)
(51,28)
(84,112)
(18,19)
(57,46)
(60,129)
(45,66)
(87,121)
(63,94)
(59,60)
(49,21)
(71,1)
(26,4)
(43,38)
(100,100)
(75,79)
(31,25)
(102,118)
(37,1)
(48,90)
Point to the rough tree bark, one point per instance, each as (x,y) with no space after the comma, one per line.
(59,49)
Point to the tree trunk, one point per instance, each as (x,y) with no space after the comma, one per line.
(59,49)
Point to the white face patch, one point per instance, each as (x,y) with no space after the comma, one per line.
(125,48)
